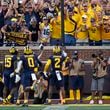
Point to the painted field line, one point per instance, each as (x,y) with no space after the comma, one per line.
(68,105)
(56,107)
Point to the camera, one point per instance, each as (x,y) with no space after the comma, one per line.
(75,55)
(94,56)
(99,56)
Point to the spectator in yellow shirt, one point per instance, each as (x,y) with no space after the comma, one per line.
(82,32)
(105,30)
(70,23)
(56,30)
(94,33)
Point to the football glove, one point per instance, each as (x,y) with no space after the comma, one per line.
(17,78)
(41,46)
(45,74)
(12,75)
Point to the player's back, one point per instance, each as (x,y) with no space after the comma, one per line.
(56,62)
(29,62)
(9,63)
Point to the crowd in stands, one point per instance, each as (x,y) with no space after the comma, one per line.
(86,22)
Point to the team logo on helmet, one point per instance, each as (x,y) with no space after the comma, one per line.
(13,50)
(27,50)
(56,49)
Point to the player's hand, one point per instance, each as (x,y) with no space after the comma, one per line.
(38,81)
(64,54)
(3,80)
(12,75)
(45,74)
(41,46)
(17,78)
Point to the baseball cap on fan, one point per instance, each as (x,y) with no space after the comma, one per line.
(4,3)
(75,52)
(20,1)
(50,15)
(84,16)
(36,1)
(45,18)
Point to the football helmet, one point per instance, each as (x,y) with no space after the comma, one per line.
(28,50)
(56,50)
(13,50)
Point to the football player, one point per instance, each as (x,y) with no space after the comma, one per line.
(30,63)
(9,77)
(56,77)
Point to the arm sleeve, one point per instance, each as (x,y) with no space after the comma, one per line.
(19,66)
(39,62)
(47,65)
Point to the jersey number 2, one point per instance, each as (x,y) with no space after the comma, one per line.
(57,62)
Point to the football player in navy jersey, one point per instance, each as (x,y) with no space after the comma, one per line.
(9,77)
(56,77)
(29,63)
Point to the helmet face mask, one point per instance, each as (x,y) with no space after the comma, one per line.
(27,50)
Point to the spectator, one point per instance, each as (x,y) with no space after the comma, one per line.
(45,29)
(29,13)
(11,12)
(65,72)
(82,32)
(106,29)
(94,33)
(99,72)
(56,30)
(40,88)
(76,77)
(3,10)
(13,27)
(70,22)
(34,28)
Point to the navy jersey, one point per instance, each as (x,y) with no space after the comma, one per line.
(9,63)
(29,63)
(56,62)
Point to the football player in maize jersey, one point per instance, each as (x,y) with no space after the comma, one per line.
(9,78)
(30,63)
(56,77)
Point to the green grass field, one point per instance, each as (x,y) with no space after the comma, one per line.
(57,107)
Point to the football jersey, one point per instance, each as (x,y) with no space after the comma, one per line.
(29,62)
(94,33)
(71,24)
(56,28)
(9,63)
(45,30)
(105,34)
(56,62)
(83,33)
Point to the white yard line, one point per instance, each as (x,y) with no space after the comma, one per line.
(56,107)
